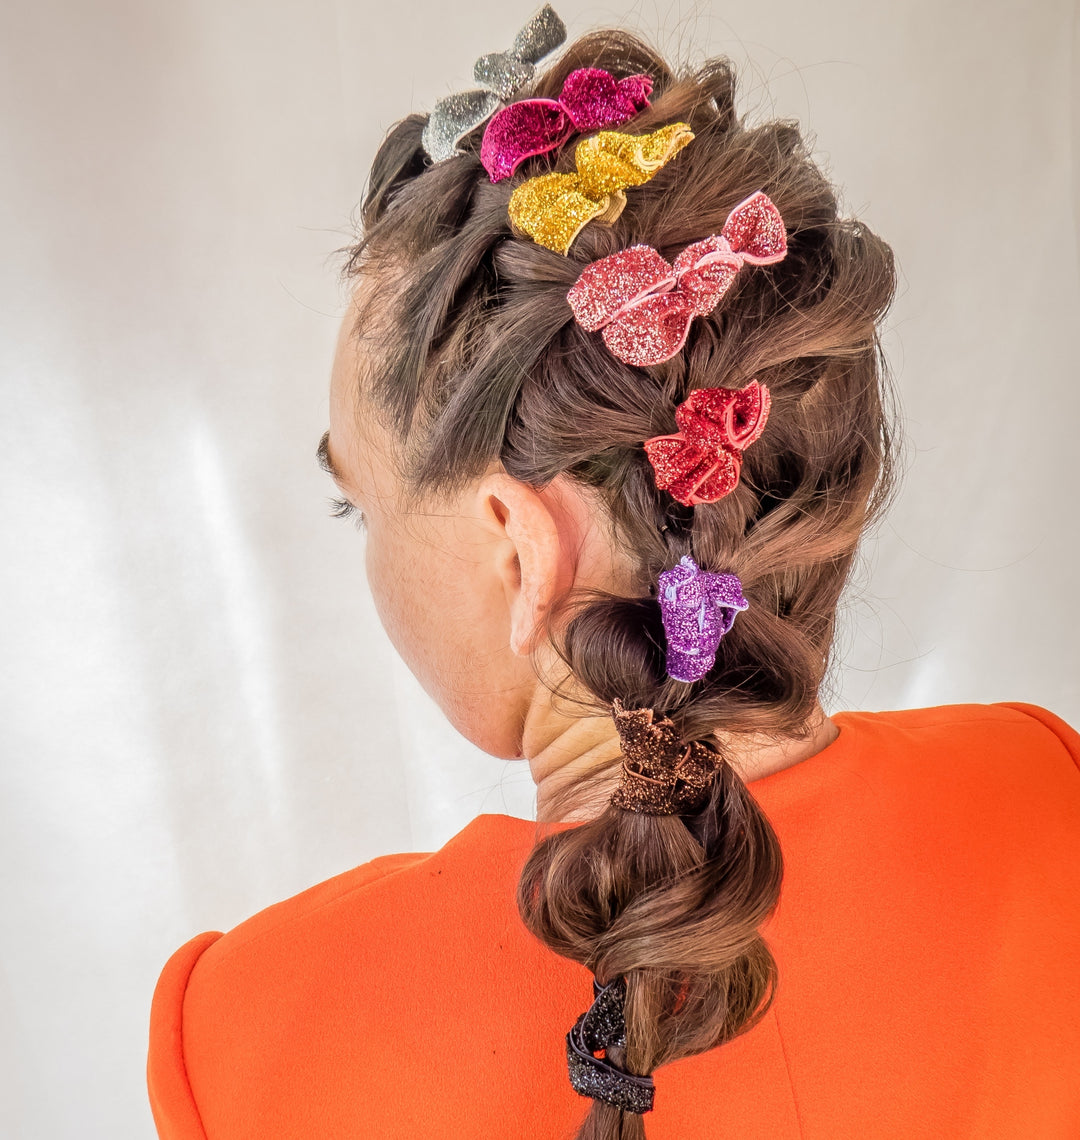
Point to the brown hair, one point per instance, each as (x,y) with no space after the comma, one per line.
(482,361)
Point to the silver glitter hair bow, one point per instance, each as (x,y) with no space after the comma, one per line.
(501,74)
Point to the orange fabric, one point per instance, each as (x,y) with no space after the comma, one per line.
(927,937)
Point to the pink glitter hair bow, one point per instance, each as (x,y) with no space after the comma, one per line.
(702,461)
(591,100)
(645,305)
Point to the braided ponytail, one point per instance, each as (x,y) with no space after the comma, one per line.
(482,361)
(669,901)
(672,904)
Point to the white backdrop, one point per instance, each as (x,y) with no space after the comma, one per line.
(201,714)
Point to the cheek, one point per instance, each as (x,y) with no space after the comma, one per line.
(394,593)
(412,594)
(451,627)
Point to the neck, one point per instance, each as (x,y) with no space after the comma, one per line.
(563,749)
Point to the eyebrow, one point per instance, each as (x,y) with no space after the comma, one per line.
(322,454)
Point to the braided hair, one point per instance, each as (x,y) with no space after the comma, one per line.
(481,361)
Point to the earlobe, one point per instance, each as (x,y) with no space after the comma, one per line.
(529,554)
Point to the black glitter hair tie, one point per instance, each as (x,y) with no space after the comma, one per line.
(600,1026)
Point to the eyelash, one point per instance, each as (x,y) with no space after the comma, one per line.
(342,509)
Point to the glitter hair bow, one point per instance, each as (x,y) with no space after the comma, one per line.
(591,100)
(553,208)
(702,461)
(661,773)
(698,608)
(502,75)
(645,305)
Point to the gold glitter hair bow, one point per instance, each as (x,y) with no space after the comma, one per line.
(553,208)
(661,775)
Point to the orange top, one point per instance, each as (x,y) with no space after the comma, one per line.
(927,938)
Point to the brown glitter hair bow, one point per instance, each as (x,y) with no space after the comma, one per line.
(661,774)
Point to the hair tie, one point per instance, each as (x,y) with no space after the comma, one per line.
(702,461)
(502,75)
(698,608)
(600,1026)
(591,100)
(645,304)
(553,208)
(661,774)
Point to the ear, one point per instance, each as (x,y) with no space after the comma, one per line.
(531,551)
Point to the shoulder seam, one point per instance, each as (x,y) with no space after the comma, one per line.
(175,1047)
(1052,723)
(183,1054)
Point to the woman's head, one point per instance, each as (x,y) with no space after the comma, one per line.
(460,359)
(508,447)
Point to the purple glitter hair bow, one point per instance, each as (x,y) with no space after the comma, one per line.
(698,607)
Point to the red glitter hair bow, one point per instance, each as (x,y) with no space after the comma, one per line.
(701,462)
(645,305)
(591,100)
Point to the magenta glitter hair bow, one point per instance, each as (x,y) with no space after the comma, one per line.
(645,305)
(697,607)
(702,461)
(591,100)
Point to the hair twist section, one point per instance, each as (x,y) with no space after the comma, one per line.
(673,905)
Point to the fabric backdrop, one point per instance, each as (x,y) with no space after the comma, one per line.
(201,714)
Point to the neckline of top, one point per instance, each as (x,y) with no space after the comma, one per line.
(845,745)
